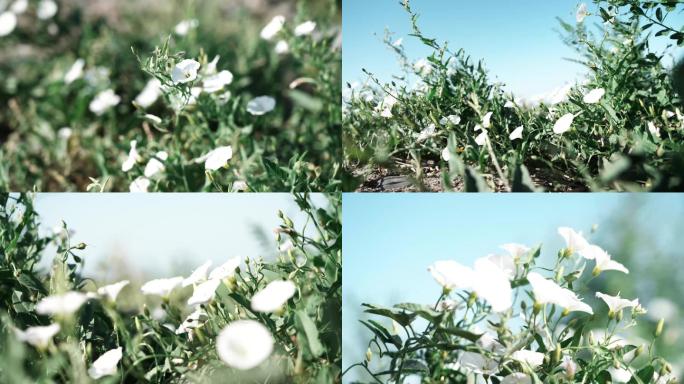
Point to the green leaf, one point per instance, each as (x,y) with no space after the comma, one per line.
(311,333)
(424,311)
(462,333)
(400,317)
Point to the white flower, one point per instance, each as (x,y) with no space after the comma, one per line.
(75,72)
(616,303)
(505,263)
(548,292)
(574,241)
(46,9)
(161,287)
(531,358)
(215,83)
(282,47)
(185,71)
(133,157)
(204,292)
(603,260)
(273,27)
(105,365)
(191,322)
(225,270)
(477,363)
(516,378)
(426,133)
(64,133)
(244,344)
(286,246)
(19,6)
(453,119)
(515,250)
(517,133)
(112,290)
(423,66)
(38,336)
(153,118)
(569,366)
(481,139)
(140,184)
(581,13)
(487,120)
(446,155)
(198,275)
(655,131)
(273,296)
(216,158)
(305,28)
(239,186)
(63,305)
(149,94)
(8,21)
(509,104)
(594,96)
(563,124)
(155,165)
(261,105)
(185,26)
(103,101)
(619,375)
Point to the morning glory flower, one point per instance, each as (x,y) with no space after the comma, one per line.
(46,9)
(105,365)
(225,270)
(446,155)
(139,185)
(39,336)
(426,133)
(548,292)
(112,290)
(161,287)
(217,158)
(215,83)
(149,94)
(451,275)
(133,157)
(574,241)
(515,250)
(487,120)
(603,260)
(481,139)
(191,322)
(75,72)
(477,363)
(8,21)
(619,375)
(198,275)
(531,358)
(282,47)
(104,101)
(563,124)
(244,344)
(204,292)
(19,6)
(655,131)
(505,263)
(155,165)
(61,305)
(616,303)
(516,378)
(453,119)
(273,296)
(594,96)
(517,133)
(305,28)
(569,366)
(261,105)
(581,13)
(184,27)
(273,27)
(185,71)
(286,246)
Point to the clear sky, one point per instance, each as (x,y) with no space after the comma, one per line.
(389,240)
(518,40)
(167,233)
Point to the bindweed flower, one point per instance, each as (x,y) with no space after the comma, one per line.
(155,165)
(603,260)
(111,291)
(216,158)
(487,120)
(504,262)
(244,344)
(261,105)
(204,292)
(149,94)
(106,364)
(446,155)
(161,287)
(655,131)
(423,67)
(225,270)
(548,292)
(39,336)
(191,322)
(185,71)
(282,47)
(140,185)
(509,104)
(19,6)
(616,303)
(185,26)
(619,375)
(569,366)
(477,363)
(286,246)
(274,296)
(453,119)
(517,133)
(8,21)
(563,124)
(517,378)
(426,133)
(594,96)
(133,157)
(47,9)
(198,275)
(61,305)
(581,13)
(215,83)
(531,358)
(273,27)
(75,72)
(64,133)
(305,28)
(481,139)
(574,241)
(515,250)
(103,101)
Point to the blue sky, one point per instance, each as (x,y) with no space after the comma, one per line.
(517,39)
(166,233)
(389,240)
